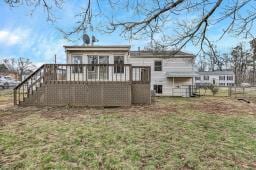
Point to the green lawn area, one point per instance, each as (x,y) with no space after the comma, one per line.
(172,133)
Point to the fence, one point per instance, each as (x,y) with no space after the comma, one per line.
(225,91)
(243,92)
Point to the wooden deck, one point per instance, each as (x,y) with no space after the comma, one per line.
(85,85)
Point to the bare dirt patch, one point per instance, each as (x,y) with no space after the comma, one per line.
(161,107)
(224,106)
(12,113)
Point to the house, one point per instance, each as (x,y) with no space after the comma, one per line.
(93,76)
(4,71)
(172,72)
(107,76)
(218,78)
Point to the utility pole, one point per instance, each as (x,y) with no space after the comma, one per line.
(55,59)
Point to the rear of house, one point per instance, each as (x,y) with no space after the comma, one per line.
(108,76)
(172,72)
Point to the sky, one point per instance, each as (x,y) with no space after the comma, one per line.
(28,34)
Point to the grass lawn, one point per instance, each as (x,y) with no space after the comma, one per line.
(172,133)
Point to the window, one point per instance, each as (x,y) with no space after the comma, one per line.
(119,62)
(221,77)
(77,60)
(230,84)
(92,60)
(206,77)
(103,70)
(198,78)
(229,77)
(158,89)
(97,71)
(222,84)
(158,66)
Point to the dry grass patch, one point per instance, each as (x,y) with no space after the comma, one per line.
(172,133)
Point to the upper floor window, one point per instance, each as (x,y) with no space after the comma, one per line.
(158,66)
(221,77)
(119,64)
(229,77)
(206,77)
(77,60)
(198,78)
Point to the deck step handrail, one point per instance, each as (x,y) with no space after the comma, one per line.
(29,77)
(28,85)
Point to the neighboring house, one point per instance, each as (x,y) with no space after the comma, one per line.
(5,72)
(172,72)
(218,78)
(3,68)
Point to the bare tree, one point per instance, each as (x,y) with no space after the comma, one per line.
(20,66)
(226,60)
(240,60)
(253,46)
(155,46)
(175,22)
(202,63)
(47,5)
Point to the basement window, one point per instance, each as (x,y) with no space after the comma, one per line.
(158,89)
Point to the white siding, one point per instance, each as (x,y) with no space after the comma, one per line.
(168,65)
(182,64)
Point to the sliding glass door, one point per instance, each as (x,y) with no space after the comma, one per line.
(104,70)
(98,72)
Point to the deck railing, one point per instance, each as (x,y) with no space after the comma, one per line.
(88,72)
(141,74)
(80,73)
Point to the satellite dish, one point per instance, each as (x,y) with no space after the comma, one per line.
(86,39)
(93,39)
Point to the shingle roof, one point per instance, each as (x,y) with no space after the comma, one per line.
(97,46)
(181,74)
(217,72)
(160,54)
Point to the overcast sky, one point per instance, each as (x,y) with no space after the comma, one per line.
(31,36)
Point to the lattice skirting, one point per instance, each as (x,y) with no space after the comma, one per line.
(82,94)
(141,93)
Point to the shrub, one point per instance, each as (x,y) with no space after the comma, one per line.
(213,89)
